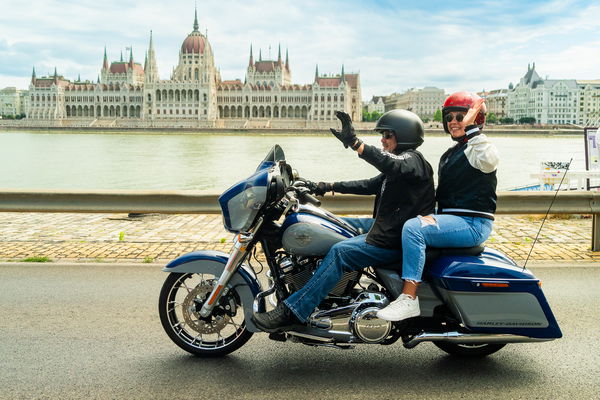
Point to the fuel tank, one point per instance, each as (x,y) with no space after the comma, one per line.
(312,231)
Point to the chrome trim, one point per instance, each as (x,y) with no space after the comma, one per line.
(258,299)
(470,338)
(311,337)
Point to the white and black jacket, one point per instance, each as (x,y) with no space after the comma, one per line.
(467,177)
(404,190)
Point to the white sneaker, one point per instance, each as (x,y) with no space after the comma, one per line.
(402,308)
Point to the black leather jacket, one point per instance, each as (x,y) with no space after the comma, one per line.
(403,190)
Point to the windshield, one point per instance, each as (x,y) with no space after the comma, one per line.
(273,156)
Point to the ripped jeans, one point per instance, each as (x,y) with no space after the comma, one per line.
(447,231)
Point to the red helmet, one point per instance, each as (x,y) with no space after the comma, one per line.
(462,101)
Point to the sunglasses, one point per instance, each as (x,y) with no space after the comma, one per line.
(450,117)
(387,134)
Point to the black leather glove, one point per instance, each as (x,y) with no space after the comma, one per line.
(322,188)
(346,135)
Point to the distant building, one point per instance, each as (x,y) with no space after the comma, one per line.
(127,94)
(377,103)
(11,101)
(423,102)
(496,101)
(555,101)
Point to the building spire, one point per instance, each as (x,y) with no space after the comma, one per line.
(343,77)
(150,69)
(287,60)
(259,54)
(105,63)
(251,62)
(121,55)
(131,56)
(195,18)
(317,73)
(279,54)
(33,78)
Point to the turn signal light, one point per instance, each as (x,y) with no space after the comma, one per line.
(494,284)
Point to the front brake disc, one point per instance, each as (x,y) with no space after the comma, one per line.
(191,315)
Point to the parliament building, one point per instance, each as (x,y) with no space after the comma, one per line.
(128,94)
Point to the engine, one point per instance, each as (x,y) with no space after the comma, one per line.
(356,320)
(348,316)
(297,270)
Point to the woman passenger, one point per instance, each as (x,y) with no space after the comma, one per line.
(465,196)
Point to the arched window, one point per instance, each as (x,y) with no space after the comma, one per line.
(196,76)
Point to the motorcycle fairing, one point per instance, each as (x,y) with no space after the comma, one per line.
(241,202)
(491,294)
(213,262)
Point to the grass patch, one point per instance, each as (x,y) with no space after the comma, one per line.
(148,260)
(121,236)
(36,259)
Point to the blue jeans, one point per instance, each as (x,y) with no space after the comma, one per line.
(448,231)
(348,255)
(360,223)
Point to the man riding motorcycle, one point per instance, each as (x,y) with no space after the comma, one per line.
(404,189)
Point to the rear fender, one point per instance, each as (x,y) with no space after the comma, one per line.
(213,262)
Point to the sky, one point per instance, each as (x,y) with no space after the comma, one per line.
(395,45)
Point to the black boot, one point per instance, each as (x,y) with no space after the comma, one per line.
(278,320)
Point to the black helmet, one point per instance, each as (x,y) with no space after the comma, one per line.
(407,126)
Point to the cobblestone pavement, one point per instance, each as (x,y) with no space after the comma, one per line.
(117,237)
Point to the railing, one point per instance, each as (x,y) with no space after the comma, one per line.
(195,202)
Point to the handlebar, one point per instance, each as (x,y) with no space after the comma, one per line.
(309,198)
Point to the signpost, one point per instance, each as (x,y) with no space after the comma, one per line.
(592,154)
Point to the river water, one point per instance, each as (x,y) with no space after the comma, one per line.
(213,162)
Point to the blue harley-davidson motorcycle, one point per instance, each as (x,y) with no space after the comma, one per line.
(473,301)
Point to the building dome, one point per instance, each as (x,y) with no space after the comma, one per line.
(195,43)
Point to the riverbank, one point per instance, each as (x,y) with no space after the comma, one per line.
(158,238)
(320,128)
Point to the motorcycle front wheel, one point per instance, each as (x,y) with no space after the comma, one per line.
(469,350)
(180,301)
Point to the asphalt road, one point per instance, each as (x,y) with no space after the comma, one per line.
(92,331)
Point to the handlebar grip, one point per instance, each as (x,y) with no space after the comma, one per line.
(309,198)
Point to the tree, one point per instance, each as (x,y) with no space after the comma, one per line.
(438,115)
(527,120)
(506,120)
(370,117)
(491,118)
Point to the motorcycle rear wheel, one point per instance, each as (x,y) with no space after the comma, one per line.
(223,332)
(469,350)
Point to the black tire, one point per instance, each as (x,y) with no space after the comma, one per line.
(469,350)
(215,336)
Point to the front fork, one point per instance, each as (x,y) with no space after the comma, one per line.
(242,245)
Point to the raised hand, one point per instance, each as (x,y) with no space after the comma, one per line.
(346,135)
(471,115)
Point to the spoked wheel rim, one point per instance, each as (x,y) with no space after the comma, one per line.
(185,298)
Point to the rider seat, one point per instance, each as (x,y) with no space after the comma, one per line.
(432,253)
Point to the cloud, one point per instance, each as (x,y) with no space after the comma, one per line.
(395,45)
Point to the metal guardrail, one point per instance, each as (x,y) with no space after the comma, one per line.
(197,202)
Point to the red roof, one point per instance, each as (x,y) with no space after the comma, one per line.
(328,82)
(49,81)
(265,66)
(352,80)
(122,67)
(194,43)
(231,85)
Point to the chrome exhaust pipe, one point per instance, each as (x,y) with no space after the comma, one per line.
(469,338)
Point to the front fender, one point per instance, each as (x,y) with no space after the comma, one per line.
(213,262)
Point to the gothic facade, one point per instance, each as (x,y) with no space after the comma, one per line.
(128,94)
